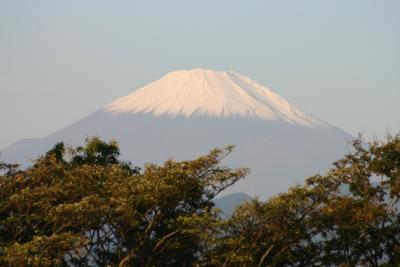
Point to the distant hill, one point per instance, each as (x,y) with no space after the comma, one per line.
(229,202)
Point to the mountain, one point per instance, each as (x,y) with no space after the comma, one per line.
(228,203)
(187,113)
(211,93)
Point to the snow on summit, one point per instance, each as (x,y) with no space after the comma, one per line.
(211,93)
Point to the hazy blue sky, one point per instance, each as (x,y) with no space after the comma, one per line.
(61,60)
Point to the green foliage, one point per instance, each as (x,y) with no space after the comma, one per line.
(96,152)
(84,207)
(348,217)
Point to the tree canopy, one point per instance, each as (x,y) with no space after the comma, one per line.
(85,207)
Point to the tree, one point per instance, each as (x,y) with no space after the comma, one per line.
(348,217)
(87,208)
(271,233)
(358,218)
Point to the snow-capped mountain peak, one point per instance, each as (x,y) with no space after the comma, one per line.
(211,93)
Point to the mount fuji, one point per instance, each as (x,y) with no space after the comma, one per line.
(185,114)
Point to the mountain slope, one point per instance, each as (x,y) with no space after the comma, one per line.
(187,113)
